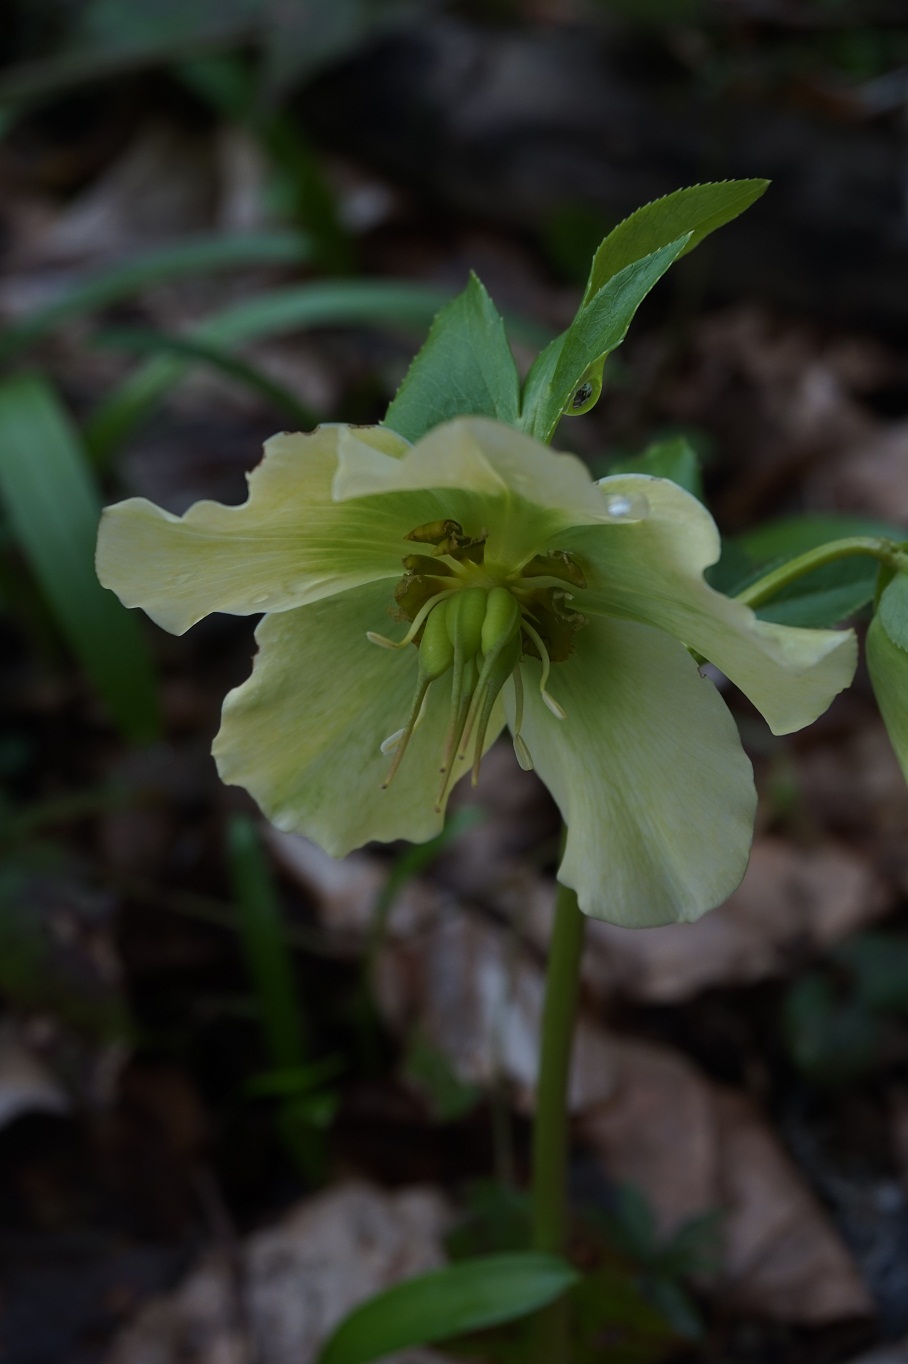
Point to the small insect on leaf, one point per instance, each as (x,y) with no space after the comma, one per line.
(586,394)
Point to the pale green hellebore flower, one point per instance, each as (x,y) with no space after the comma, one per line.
(559,606)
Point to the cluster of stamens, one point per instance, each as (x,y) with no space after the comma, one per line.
(476,622)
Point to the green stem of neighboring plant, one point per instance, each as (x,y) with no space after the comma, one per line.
(767,587)
(550,1130)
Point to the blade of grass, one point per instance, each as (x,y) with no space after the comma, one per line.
(270,966)
(53,507)
(305,195)
(201,256)
(149,342)
(327,303)
(268,960)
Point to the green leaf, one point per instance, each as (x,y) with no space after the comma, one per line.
(879,964)
(54,509)
(323,304)
(464,368)
(150,342)
(697,210)
(820,599)
(191,258)
(428,1070)
(790,536)
(460,1298)
(888,667)
(675,459)
(893,610)
(598,328)
(832,1039)
(268,959)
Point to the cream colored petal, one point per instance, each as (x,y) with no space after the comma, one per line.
(651,570)
(289,543)
(488,477)
(304,733)
(648,772)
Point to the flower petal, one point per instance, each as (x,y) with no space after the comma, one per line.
(487,476)
(304,733)
(651,570)
(289,543)
(648,772)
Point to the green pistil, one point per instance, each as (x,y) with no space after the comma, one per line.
(476,620)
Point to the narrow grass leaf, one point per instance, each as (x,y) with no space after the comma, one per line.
(330,303)
(204,255)
(265,947)
(453,1301)
(53,508)
(207,353)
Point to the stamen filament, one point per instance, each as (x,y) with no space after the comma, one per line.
(407,732)
(418,622)
(546,668)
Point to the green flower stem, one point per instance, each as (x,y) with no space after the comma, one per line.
(550,1130)
(767,587)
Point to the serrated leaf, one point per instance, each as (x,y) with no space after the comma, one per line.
(697,210)
(464,368)
(893,610)
(54,508)
(675,459)
(461,1298)
(599,327)
(888,667)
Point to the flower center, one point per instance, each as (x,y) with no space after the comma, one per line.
(476,620)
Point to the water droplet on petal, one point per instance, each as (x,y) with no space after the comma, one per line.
(627,506)
(258,599)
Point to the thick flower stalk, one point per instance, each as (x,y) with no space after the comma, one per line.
(419,598)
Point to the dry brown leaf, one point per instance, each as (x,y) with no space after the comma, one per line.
(476,995)
(782,1255)
(691,1146)
(346,889)
(26,1084)
(870,476)
(293,1282)
(896,1353)
(791,900)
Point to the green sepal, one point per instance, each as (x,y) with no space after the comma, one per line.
(464,368)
